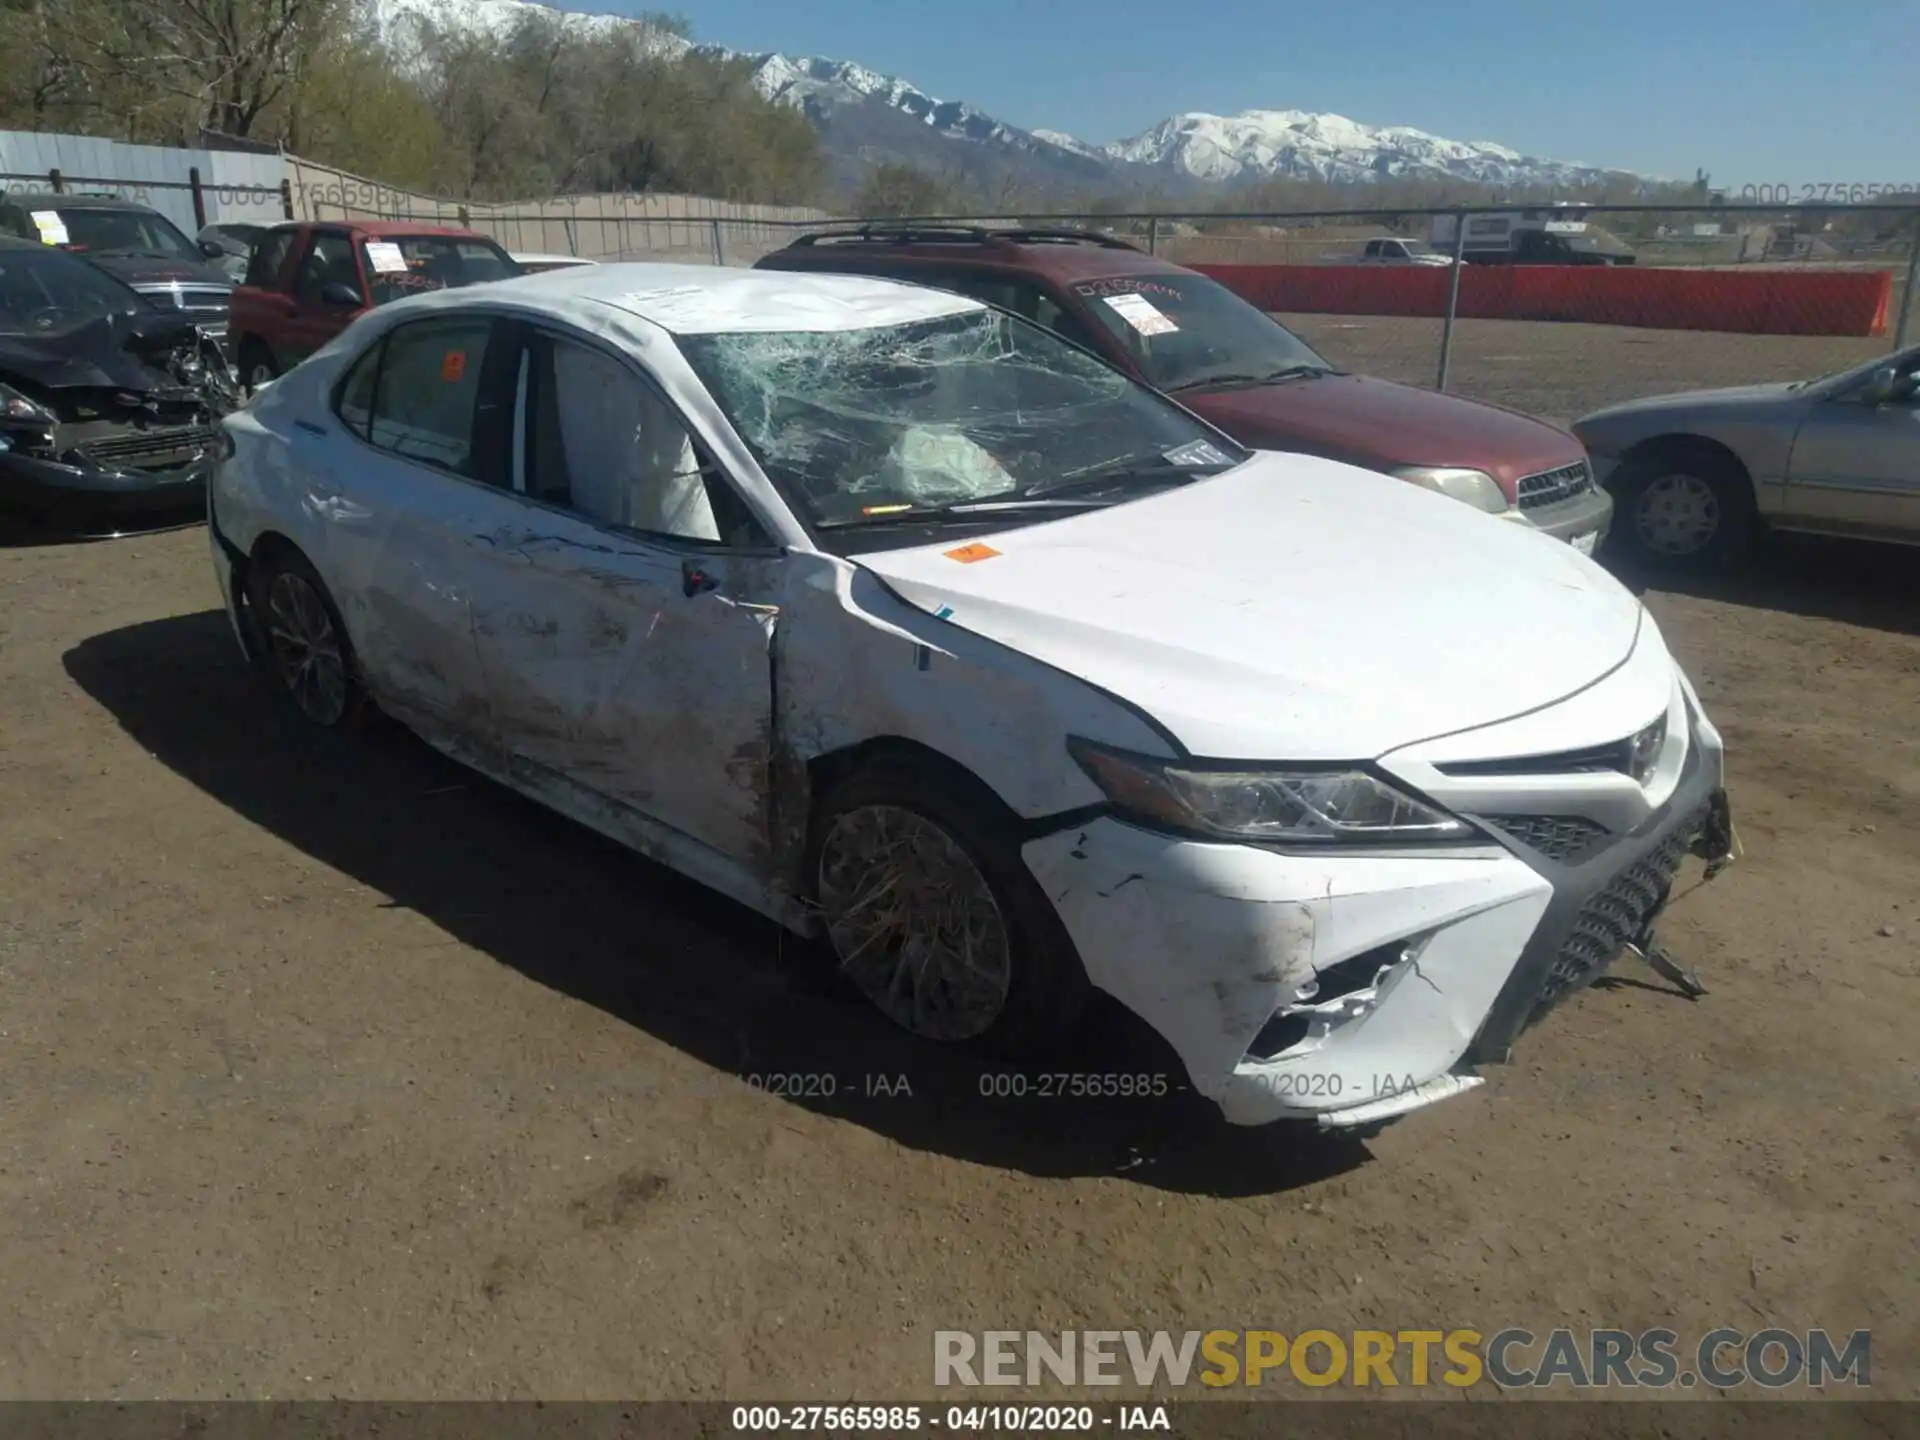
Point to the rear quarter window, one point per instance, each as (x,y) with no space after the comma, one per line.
(424,400)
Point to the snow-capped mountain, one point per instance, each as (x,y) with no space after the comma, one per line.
(865,116)
(821,87)
(1301,145)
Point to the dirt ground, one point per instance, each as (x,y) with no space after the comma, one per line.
(329,1070)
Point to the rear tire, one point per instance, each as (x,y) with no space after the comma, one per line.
(1682,508)
(305,648)
(934,916)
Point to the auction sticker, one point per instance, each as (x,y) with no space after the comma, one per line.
(53,230)
(385,257)
(1141,313)
(970,554)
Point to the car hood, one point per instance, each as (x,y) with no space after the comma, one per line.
(158,270)
(1729,397)
(1376,423)
(1292,608)
(114,352)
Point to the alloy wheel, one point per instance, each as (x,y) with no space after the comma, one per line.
(914,922)
(307,649)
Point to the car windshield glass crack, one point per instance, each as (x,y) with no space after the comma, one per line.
(968,407)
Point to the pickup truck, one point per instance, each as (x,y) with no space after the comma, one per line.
(1391,250)
(308,280)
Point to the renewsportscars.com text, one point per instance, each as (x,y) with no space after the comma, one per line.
(1724,1359)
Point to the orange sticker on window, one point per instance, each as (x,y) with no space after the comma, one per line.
(453,365)
(967,554)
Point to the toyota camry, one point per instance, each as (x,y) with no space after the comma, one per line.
(900,620)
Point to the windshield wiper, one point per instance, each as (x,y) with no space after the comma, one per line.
(1158,470)
(959,510)
(1272,377)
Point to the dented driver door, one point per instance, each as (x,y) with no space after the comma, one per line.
(626,646)
(631,674)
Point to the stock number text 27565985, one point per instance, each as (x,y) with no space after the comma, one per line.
(1831,192)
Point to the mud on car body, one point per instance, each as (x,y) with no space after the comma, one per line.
(901,620)
(109,405)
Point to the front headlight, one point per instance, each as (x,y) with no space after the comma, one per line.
(18,408)
(1281,803)
(1476,487)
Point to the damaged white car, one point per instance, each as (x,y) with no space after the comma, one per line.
(904,622)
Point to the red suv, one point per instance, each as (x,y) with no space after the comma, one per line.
(1236,366)
(308,280)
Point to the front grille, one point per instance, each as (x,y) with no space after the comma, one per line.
(1616,916)
(1550,487)
(156,449)
(1561,838)
(207,304)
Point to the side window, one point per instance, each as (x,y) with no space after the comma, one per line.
(329,261)
(1373,249)
(15,222)
(602,443)
(1022,297)
(994,289)
(423,398)
(269,256)
(355,403)
(1065,324)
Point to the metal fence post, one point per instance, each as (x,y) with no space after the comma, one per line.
(199,197)
(719,245)
(53,179)
(1153,235)
(1913,280)
(1453,298)
(286,198)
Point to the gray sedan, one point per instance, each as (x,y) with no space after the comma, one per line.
(1695,475)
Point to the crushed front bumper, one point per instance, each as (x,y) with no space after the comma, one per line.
(1351,989)
(1610,899)
(1343,988)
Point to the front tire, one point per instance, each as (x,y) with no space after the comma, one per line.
(933,915)
(305,649)
(256,365)
(1683,508)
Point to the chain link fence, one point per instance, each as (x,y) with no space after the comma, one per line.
(1552,308)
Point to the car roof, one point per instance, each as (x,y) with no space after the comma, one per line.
(61,200)
(707,299)
(1064,255)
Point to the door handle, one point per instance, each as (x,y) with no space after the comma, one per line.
(695,580)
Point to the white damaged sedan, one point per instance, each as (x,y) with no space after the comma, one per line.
(909,624)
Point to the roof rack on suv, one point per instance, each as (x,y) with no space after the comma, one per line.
(909,234)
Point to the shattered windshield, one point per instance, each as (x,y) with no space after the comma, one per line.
(857,425)
(1186,331)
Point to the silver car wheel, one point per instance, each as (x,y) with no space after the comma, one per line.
(258,374)
(1677,514)
(306,649)
(914,922)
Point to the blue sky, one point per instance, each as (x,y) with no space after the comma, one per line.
(1753,90)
